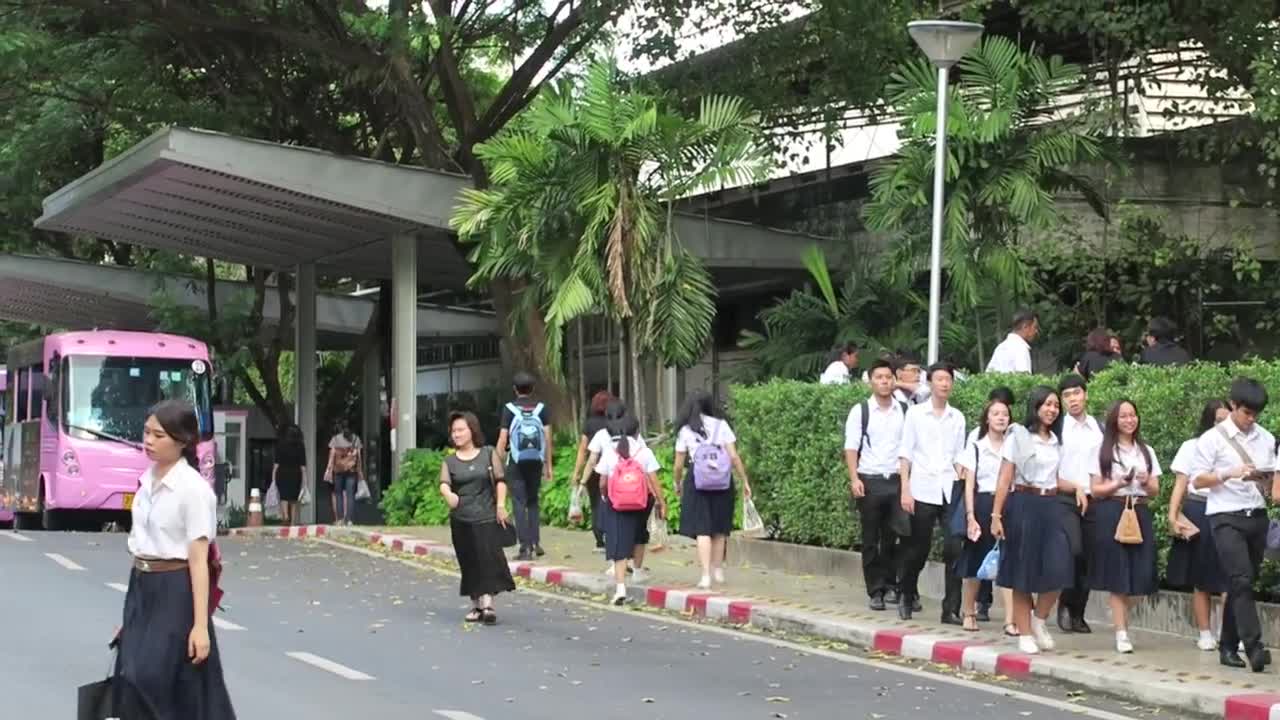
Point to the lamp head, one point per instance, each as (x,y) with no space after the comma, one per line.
(944,42)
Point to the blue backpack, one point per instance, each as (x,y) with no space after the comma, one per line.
(527,434)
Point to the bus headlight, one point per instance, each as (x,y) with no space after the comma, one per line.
(70,463)
(206,466)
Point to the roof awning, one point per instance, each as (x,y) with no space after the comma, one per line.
(78,295)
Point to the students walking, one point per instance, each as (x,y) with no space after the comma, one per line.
(1235,463)
(526,428)
(707,492)
(615,413)
(932,438)
(1126,475)
(593,423)
(1036,555)
(1193,559)
(168,651)
(980,462)
(473,485)
(629,482)
(1081,438)
(872,434)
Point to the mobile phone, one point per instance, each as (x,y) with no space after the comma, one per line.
(1132,472)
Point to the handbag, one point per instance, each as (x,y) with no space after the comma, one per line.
(958,518)
(752,523)
(1128,530)
(507,534)
(990,566)
(575,504)
(658,535)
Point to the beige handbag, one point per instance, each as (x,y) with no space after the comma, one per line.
(1128,531)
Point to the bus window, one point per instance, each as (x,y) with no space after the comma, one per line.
(113,394)
(37,392)
(20,399)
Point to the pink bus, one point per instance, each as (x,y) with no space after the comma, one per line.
(73,432)
(6,516)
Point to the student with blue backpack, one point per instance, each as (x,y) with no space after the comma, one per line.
(526,432)
(629,486)
(707,494)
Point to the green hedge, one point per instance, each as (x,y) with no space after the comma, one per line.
(791,435)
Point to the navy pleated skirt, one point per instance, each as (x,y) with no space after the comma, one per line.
(1036,557)
(1116,567)
(975,552)
(706,513)
(153,651)
(481,559)
(624,530)
(1194,563)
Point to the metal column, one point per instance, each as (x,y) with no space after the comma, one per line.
(371,412)
(404,351)
(304,407)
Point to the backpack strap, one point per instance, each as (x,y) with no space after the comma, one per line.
(1235,445)
(976,454)
(865,407)
(537,411)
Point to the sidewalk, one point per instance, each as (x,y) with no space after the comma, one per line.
(1164,671)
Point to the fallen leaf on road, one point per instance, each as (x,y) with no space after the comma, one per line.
(648,701)
(777,699)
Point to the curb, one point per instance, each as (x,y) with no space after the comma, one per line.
(1153,687)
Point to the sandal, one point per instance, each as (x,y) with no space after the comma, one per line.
(489,616)
(971,622)
(1011,630)
(475,615)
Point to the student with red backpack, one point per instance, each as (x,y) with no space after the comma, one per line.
(707,494)
(629,486)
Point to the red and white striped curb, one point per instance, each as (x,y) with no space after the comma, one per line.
(1143,686)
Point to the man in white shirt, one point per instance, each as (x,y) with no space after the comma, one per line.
(872,433)
(908,387)
(846,359)
(1235,462)
(1081,440)
(1013,355)
(932,439)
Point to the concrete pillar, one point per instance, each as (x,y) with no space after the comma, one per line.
(371,412)
(404,349)
(304,387)
(671,392)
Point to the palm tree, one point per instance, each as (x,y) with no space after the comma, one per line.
(580,207)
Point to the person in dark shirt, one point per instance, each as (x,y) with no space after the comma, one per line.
(1098,353)
(592,424)
(529,462)
(1161,348)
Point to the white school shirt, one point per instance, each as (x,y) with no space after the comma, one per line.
(168,519)
(932,443)
(1184,462)
(602,440)
(1215,454)
(879,454)
(988,460)
(1013,354)
(1034,458)
(718,433)
(837,373)
(973,434)
(609,459)
(1081,441)
(1130,458)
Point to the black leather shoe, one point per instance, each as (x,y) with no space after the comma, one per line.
(877,602)
(984,613)
(904,611)
(1078,625)
(950,618)
(537,550)
(916,606)
(1230,658)
(1064,620)
(1257,658)
(891,597)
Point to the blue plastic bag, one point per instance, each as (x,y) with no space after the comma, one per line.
(990,564)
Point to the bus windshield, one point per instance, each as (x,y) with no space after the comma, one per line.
(108,397)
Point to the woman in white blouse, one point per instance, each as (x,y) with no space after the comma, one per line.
(1125,473)
(981,461)
(167,649)
(627,530)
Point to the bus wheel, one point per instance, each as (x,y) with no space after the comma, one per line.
(51,519)
(26,521)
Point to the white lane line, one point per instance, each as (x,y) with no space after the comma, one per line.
(64,561)
(14,536)
(329,665)
(456,715)
(217,621)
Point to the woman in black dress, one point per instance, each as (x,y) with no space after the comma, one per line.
(1099,352)
(472,483)
(288,470)
(592,424)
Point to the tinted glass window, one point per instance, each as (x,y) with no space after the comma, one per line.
(20,400)
(112,395)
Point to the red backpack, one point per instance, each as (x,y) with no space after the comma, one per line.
(628,486)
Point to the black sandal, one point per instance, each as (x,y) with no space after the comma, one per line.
(971,617)
(1011,630)
(476,615)
(489,616)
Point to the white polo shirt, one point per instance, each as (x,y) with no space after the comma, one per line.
(1128,458)
(932,443)
(837,373)
(1013,354)
(1035,458)
(1081,440)
(168,517)
(1215,454)
(879,452)
(987,460)
(1184,463)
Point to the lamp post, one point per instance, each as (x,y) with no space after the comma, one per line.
(944,42)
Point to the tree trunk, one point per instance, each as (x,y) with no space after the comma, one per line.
(529,353)
(582,371)
(623,385)
(608,356)
(637,375)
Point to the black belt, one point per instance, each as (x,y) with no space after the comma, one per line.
(865,477)
(1195,498)
(1251,512)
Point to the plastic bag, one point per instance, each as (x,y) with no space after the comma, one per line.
(271,503)
(657,532)
(362,490)
(575,503)
(752,524)
(304,495)
(990,566)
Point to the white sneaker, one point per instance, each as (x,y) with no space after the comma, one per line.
(1027,645)
(1206,642)
(704,583)
(1041,632)
(639,575)
(1123,645)
(620,595)
(718,576)
(608,570)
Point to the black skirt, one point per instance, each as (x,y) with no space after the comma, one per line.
(153,651)
(706,512)
(481,560)
(1116,567)
(1194,563)
(1036,556)
(289,482)
(975,552)
(623,531)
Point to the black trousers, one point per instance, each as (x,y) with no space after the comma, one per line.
(881,566)
(1080,529)
(1240,540)
(524,479)
(593,497)
(916,555)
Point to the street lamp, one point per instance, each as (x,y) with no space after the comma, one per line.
(944,42)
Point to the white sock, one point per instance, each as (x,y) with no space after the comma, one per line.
(1207,635)
(1122,634)
(621,589)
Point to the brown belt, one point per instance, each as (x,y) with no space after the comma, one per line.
(1137,499)
(148,565)
(1042,492)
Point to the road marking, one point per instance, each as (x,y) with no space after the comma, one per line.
(14,536)
(217,621)
(456,715)
(64,561)
(329,665)
(1070,707)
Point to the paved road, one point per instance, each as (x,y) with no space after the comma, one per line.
(322,632)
